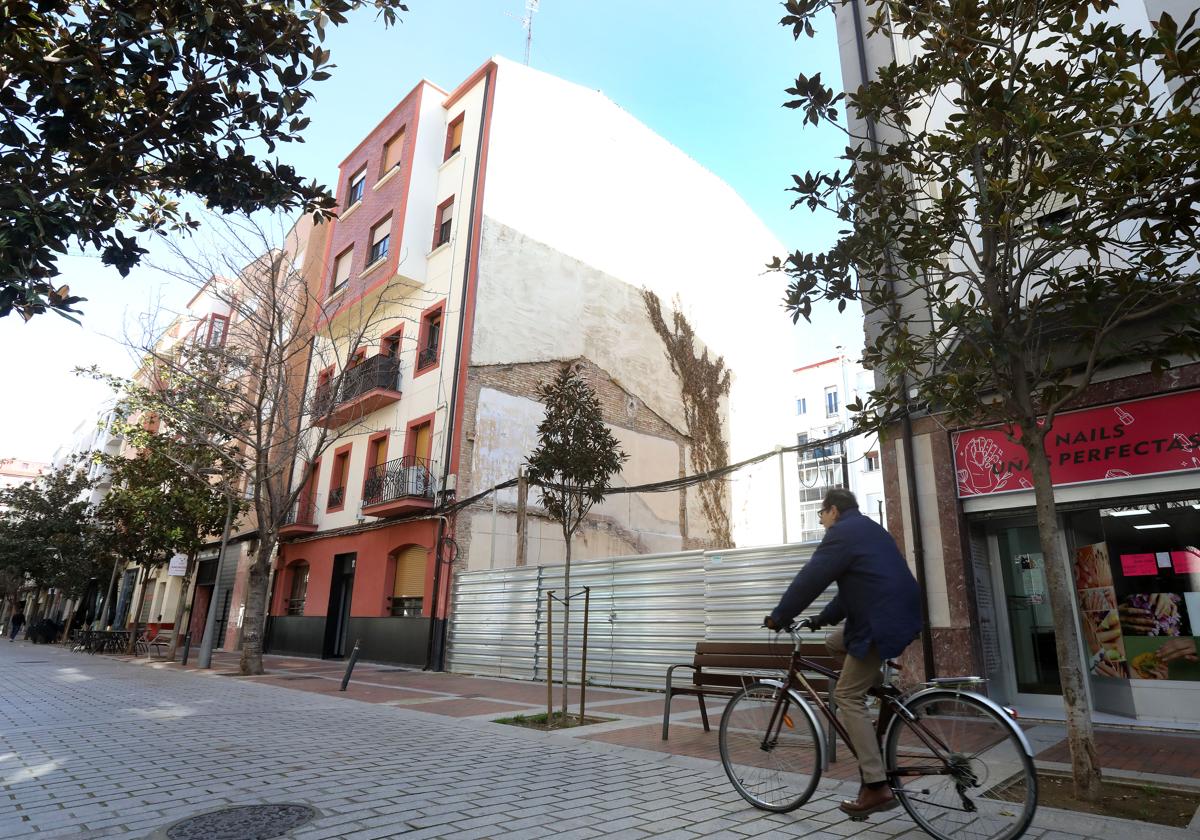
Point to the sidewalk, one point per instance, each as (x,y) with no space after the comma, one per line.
(114,748)
(1169,758)
(1160,757)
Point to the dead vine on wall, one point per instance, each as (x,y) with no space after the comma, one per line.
(702,384)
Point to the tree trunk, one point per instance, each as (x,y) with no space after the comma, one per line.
(1084,762)
(137,614)
(254,619)
(566,623)
(182,606)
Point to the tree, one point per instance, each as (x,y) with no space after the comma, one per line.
(162,501)
(280,329)
(109,113)
(1038,231)
(48,534)
(574,462)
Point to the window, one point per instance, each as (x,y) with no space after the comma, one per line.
(380,235)
(341,269)
(430,339)
(358,182)
(454,137)
(298,591)
(408,586)
(337,479)
(216,330)
(831,402)
(871,462)
(802,406)
(393,153)
(389,345)
(377,448)
(443,222)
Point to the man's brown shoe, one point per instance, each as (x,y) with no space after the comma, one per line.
(870,801)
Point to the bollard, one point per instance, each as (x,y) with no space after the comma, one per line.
(350,665)
(549,659)
(587,595)
(187,646)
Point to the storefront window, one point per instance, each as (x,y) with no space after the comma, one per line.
(1137,577)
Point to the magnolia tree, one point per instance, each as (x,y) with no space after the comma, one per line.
(281,331)
(110,112)
(1019,200)
(49,535)
(573,465)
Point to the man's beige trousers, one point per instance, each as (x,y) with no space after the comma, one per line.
(858,677)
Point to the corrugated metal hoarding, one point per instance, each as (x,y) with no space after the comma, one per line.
(646,612)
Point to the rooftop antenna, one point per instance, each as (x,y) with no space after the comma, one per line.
(531,7)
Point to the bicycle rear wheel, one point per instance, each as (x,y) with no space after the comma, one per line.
(978,784)
(771,756)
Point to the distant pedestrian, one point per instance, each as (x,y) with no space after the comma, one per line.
(15,624)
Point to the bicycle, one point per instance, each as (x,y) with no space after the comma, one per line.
(956,761)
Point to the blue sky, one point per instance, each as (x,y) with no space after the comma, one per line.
(709,76)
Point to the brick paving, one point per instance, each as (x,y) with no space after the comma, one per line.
(1172,755)
(102,747)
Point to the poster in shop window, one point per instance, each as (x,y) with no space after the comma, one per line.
(1098,614)
(1131,630)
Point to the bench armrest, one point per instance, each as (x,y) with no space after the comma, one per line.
(671,670)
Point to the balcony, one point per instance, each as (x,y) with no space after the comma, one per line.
(301,519)
(400,486)
(366,387)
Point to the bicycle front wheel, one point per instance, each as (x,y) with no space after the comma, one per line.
(769,748)
(961,769)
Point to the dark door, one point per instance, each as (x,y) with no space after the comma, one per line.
(341,590)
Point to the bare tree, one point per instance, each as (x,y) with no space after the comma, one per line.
(279,329)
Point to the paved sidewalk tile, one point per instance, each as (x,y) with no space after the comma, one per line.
(97,748)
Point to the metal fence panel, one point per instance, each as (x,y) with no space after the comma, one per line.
(646,612)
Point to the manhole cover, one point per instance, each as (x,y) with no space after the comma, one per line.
(32,661)
(244,822)
(393,670)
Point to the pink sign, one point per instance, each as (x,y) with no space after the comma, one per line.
(1141,437)
(1186,561)
(1135,565)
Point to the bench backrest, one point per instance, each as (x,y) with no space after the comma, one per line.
(713,658)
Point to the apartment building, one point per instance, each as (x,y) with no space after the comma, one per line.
(823,391)
(488,235)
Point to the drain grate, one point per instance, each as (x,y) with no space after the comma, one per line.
(243,822)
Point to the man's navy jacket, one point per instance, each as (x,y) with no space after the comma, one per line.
(877,594)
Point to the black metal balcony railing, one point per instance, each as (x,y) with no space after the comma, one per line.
(337,497)
(375,372)
(427,357)
(304,512)
(400,478)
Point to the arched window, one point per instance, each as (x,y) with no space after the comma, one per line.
(408,588)
(299,588)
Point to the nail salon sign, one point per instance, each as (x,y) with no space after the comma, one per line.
(1135,438)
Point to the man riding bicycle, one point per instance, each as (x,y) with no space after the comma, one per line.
(880,601)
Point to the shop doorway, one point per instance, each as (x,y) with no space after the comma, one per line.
(341,590)
(1030,618)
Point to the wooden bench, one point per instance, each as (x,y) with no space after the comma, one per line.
(722,669)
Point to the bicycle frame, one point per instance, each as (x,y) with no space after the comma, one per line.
(891,706)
